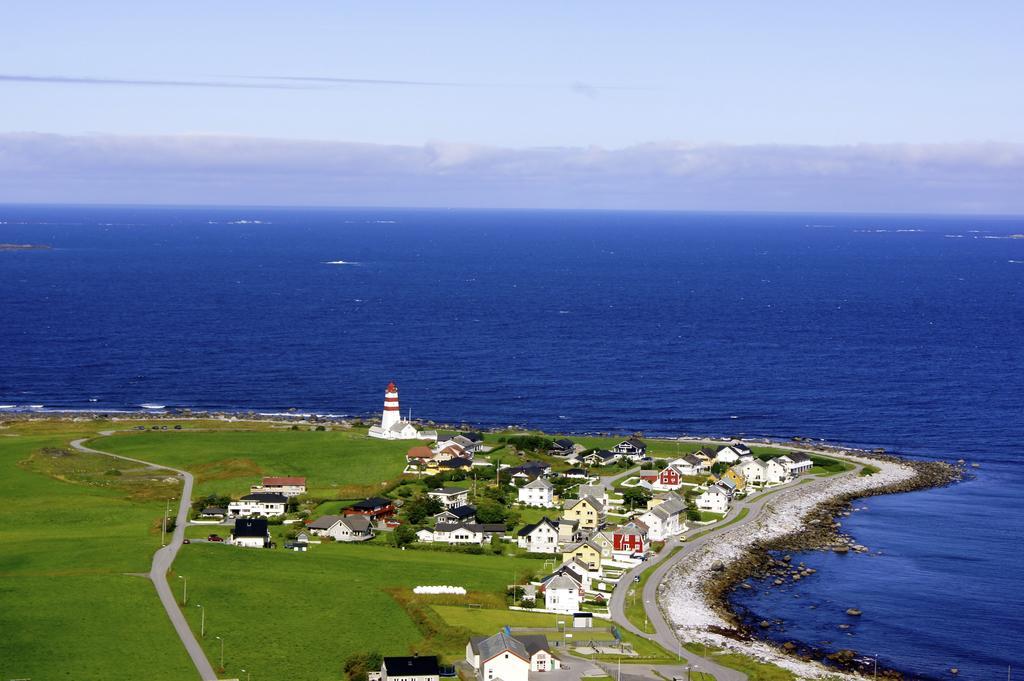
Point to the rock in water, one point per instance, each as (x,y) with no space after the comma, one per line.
(854,612)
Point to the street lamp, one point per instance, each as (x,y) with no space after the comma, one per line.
(202,622)
(876,666)
(163,527)
(184,590)
(248,675)
(221,653)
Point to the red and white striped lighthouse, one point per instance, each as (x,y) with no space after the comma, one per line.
(391,414)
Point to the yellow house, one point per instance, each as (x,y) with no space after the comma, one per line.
(587,553)
(736,478)
(588,512)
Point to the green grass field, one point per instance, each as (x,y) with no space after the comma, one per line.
(67,608)
(337,464)
(299,615)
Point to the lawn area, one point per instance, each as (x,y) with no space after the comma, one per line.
(736,518)
(709,517)
(67,608)
(337,463)
(327,603)
(755,671)
(487,621)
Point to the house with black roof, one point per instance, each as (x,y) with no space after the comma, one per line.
(562,447)
(458,514)
(251,533)
(415,668)
(634,448)
(374,507)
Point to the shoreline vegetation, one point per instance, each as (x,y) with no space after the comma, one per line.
(694,595)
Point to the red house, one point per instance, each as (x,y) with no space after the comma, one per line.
(669,478)
(374,507)
(630,538)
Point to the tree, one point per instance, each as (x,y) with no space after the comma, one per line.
(636,497)
(404,534)
(420,508)
(488,511)
(356,666)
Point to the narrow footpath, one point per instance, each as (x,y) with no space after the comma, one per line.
(164,558)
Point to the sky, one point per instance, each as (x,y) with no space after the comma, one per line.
(910,106)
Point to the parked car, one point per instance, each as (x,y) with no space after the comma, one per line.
(215,537)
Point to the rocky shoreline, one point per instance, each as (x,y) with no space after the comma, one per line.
(695,596)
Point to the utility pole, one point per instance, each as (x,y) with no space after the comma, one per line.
(163,527)
(221,653)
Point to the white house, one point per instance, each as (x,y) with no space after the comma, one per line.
(251,533)
(796,463)
(258,504)
(562,594)
(775,472)
(753,472)
(392,427)
(727,455)
(540,537)
(416,668)
(509,658)
(714,500)
(665,519)
(689,464)
(633,448)
(343,527)
(539,492)
(466,533)
(600,457)
(450,497)
(289,487)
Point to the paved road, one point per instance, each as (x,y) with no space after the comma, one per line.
(664,634)
(163,559)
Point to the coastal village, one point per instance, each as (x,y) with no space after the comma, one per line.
(387,548)
(593,518)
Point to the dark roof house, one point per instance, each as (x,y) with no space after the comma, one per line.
(401,667)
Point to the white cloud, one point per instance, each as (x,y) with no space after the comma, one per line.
(984,177)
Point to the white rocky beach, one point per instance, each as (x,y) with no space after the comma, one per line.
(682,597)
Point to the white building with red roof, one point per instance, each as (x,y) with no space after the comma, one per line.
(286,486)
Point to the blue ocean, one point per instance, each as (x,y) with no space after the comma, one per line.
(903,332)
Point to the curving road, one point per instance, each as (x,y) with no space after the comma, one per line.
(163,559)
(664,634)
